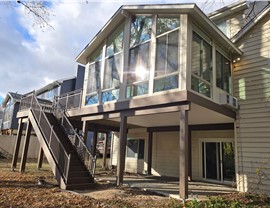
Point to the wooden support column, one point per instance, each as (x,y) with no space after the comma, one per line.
(149,159)
(122,151)
(94,143)
(104,166)
(85,130)
(26,145)
(17,144)
(40,158)
(183,155)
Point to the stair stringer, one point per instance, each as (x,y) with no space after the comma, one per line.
(47,152)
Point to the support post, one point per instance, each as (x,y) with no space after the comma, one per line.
(17,144)
(149,159)
(26,145)
(94,143)
(85,131)
(40,158)
(104,166)
(183,154)
(122,151)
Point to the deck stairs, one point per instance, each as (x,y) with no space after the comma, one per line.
(69,158)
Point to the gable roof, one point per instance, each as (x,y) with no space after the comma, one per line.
(255,11)
(125,11)
(256,16)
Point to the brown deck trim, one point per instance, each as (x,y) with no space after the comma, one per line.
(138,103)
(204,102)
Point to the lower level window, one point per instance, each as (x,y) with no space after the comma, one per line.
(166,83)
(110,95)
(91,99)
(135,148)
(201,86)
(137,89)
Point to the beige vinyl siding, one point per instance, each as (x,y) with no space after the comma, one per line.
(165,155)
(252,88)
(198,136)
(114,148)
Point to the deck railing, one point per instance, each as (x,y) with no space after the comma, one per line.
(57,149)
(70,100)
(77,140)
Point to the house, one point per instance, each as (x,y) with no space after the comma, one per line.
(11,103)
(185,94)
(10,107)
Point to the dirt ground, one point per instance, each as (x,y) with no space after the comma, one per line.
(22,190)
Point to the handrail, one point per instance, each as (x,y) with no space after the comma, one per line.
(77,141)
(52,140)
(70,100)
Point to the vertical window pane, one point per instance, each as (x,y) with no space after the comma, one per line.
(223,73)
(196,55)
(161,56)
(139,63)
(172,62)
(93,78)
(113,66)
(166,83)
(140,29)
(207,62)
(97,55)
(165,24)
(115,42)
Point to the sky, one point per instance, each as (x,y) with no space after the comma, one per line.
(31,57)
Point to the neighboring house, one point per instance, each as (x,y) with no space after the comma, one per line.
(10,105)
(168,83)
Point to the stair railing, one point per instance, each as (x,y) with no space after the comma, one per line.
(57,149)
(77,140)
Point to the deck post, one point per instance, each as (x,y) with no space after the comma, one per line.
(104,166)
(85,131)
(17,144)
(40,158)
(149,159)
(183,155)
(26,145)
(122,151)
(94,143)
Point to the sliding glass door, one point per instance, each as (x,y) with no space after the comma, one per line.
(218,161)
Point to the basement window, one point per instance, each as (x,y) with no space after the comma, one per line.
(135,148)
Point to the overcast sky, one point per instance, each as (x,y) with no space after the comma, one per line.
(31,57)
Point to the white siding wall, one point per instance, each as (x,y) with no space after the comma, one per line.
(195,147)
(165,158)
(252,87)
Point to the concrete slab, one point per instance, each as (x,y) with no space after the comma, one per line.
(167,186)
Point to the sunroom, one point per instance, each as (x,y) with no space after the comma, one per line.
(161,74)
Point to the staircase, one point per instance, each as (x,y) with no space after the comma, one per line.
(68,156)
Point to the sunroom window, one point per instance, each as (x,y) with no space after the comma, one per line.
(223,73)
(113,65)
(138,71)
(93,83)
(167,56)
(201,80)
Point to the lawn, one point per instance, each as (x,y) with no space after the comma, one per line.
(22,190)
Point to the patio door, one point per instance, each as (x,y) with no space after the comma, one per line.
(218,161)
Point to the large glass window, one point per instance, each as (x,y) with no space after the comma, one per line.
(113,66)
(93,84)
(223,73)
(135,148)
(139,61)
(140,29)
(167,55)
(201,66)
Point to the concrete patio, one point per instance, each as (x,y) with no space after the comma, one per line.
(168,186)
